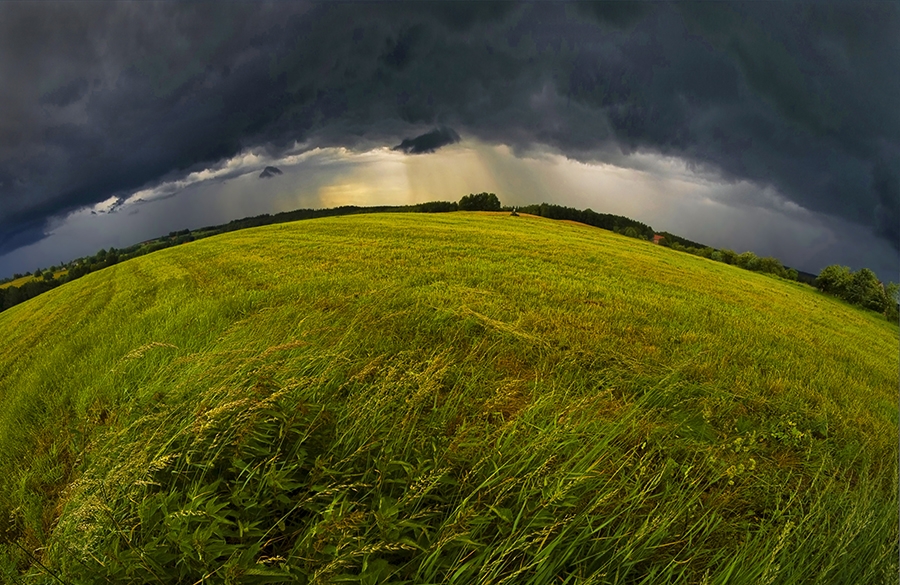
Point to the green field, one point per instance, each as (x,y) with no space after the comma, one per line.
(449,398)
(18,282)
(28,278)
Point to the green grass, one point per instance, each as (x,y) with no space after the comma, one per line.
(454,398)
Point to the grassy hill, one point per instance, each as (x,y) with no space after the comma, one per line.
(452,398)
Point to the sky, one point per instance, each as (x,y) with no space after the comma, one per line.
(765,126)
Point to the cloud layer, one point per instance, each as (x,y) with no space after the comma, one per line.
(104,99)
(428,142)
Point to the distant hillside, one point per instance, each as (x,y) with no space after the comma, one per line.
(20,288)
(453,398)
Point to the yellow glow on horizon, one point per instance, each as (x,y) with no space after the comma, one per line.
(448,175)
(385,177)
(346,193)
(379,179)
(658,188)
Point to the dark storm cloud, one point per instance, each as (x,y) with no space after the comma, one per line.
(428,142)
(270,172)
(100,99)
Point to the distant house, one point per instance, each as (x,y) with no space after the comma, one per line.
(658,238)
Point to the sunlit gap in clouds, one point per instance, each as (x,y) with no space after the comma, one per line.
(664,192)
(312,178)
(326,177)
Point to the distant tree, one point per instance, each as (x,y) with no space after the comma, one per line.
(630,232)
(78,270)
(834,280)
(437,206)
(867,291)
(792,274)
(770,265)
(48,275)
(37,273)
(479,202)
(669,239)
(892,296)
(747,260)
(12,297)
(725,255)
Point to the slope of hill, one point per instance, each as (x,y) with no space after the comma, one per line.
(462,398)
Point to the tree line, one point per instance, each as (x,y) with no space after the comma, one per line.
(635,229)
(860,288)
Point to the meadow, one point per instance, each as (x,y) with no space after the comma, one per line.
(447,398)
